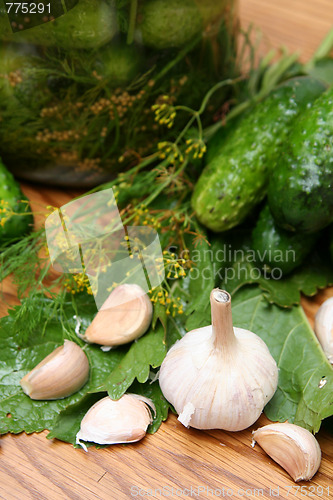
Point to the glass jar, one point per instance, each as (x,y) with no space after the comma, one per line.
(77,93)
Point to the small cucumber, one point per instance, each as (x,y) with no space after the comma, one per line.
(300,192)
(89,25)
(15,219)
(172,23)
(236,179)
(23,80)
(119,64)
(276,247)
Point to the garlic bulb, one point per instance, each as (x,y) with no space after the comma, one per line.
(60,374)
(219,377)
(115,422)
(323,327)
(292,447)
(125,315)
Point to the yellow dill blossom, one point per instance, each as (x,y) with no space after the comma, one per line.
(165,112)
(162,297)
(78,283)
(196,148)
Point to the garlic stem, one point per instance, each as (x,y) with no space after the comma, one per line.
(223,330)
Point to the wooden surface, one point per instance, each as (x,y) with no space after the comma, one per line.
(300,25)
(32,467)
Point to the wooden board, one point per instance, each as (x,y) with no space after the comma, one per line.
(175,462)
(299,25)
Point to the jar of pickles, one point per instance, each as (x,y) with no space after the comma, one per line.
(79,85)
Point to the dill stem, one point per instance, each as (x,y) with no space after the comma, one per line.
(132,21)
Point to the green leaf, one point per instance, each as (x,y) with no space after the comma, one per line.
(148,351)
(315,274)
(305,390)
(21,353)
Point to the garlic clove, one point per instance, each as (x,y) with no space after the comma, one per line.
(218,376)
(115,422)
(60,374)
(124,316)
(292,447)
(323,327)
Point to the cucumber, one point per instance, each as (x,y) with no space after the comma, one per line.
(300,192)
(276,247)
(236,179)
(12,199)
(119,64)
(23,80)
(89,25)
(172,23)
(220,137)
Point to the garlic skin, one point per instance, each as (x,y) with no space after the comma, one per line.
(323,327)
(292,447)
(59,375)
(125,316)
(116,422)
(219,377)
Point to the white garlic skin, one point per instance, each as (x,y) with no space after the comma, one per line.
(125,316)
(59,375)
(115,422)
(323,327)
(292,447)
(226,392)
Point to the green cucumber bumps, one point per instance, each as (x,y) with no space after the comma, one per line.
(236,179)
(170,23)
(279,248)
(15,217)
(300,192)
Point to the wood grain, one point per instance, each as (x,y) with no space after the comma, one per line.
(32,467)
(299,25)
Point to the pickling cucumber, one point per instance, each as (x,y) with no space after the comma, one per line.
(236,179)
(89,25)
(300,192)
(278,248)
(23,80)
(167,24)
(119,64)
(15,217)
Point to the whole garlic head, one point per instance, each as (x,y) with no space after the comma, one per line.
(125,316)
(219,377)
(323,327)
(115,422)
(292,447)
